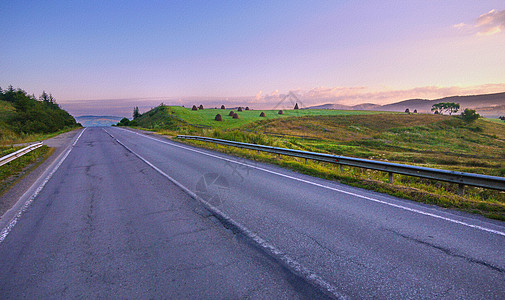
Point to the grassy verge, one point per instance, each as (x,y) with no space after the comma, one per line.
(11,139)
(10,173)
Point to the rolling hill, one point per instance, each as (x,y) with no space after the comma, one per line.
(488,105)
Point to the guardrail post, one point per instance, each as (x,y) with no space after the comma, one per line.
(461,189)
(391,177)
(305,161)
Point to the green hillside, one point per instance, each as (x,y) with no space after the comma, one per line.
(25,118)
(177,117)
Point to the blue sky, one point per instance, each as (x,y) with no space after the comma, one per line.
(339,51)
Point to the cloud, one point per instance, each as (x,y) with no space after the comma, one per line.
(258,95)
(490,23)
(360,95)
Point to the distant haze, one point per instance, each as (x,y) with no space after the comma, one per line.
(342,97)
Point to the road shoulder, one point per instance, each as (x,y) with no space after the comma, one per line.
(12,195)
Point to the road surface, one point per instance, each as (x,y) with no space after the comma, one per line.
(117,219)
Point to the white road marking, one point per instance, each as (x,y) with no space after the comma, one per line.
(5,231)
(269,248)
(330,188)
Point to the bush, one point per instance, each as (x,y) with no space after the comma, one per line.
(469,115)
(124,122)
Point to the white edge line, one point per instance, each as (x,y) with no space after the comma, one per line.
(7,229)
(331,188)
(297,267)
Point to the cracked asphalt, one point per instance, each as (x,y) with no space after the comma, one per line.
(108,226)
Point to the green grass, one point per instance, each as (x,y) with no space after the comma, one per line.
(206,117)
(14,169)
(8,138)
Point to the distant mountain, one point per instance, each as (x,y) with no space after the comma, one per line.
(487,105)
(364,106)
(90,121)
(331,106)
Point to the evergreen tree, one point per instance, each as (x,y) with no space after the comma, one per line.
(136,113)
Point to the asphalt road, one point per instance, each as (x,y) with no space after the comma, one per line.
(106,225)
(109,223)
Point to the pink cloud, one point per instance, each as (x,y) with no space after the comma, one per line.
(490,23)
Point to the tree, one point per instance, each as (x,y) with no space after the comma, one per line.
(469,115)
(44,97)
(136,113)
(449,107)
(124,122)
(296,106)
(407,111)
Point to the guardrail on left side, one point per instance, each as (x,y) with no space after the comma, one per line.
(10,157)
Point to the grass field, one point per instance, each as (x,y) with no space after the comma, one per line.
(436,141)
(206,117)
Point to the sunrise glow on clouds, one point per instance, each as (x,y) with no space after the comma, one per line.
(490,23)
(118,53)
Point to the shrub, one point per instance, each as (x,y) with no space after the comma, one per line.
(469,115)
(280,112)
(239,109)
(247,108)
(235,116)
(194,107)
(231,113)
(200,107)
(262,114)
(124,122)
(222,107)
(218,118)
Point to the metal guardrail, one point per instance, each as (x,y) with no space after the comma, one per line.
(10,157)
(460,178)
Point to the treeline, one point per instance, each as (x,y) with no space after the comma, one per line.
(32,115)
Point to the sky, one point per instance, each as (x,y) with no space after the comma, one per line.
(104,57)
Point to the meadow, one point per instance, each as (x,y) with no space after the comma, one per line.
(205,117)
